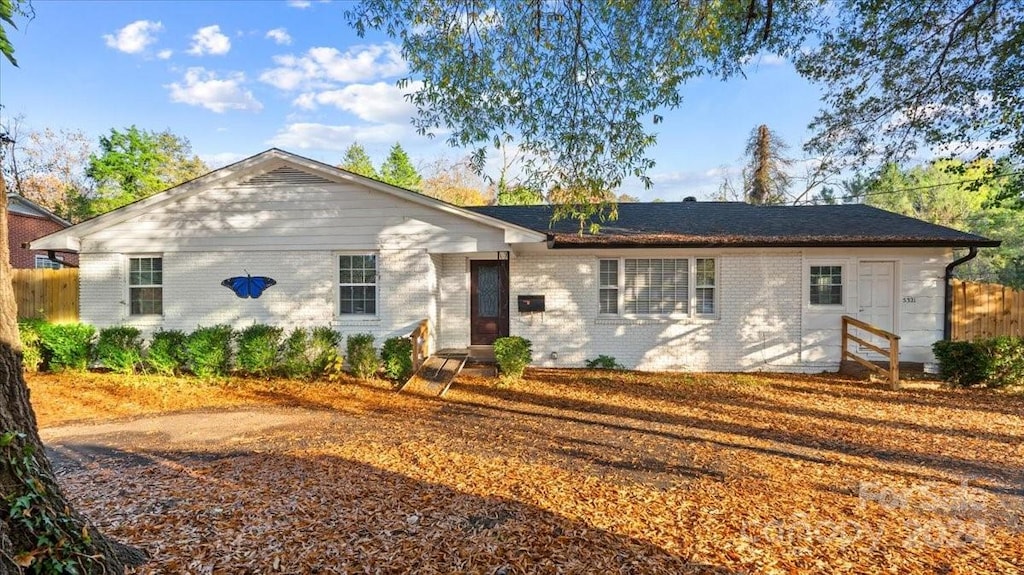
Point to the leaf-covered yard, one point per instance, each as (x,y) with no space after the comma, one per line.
(566,472)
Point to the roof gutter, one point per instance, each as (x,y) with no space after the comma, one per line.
(561,243)
(947,324)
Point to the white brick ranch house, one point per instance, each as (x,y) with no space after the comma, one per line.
(711,286)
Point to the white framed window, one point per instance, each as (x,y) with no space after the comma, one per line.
(705,286)
(657,286)
(145,285)
(44,262)
(357,284)
(826,283)
(609,286)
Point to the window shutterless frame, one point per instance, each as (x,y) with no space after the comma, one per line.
(825,285)
(357,284)
(684,287)
(145,285)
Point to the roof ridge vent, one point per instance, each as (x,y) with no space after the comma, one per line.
(284,176)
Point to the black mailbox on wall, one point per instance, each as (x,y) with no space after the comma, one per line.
(531,303)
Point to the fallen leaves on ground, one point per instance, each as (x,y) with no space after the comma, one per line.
(576,472)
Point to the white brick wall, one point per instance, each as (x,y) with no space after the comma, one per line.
(452,325)
(757,325)
(764,319)
(305,293)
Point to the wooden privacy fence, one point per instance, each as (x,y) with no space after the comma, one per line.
(983,310)
(47,294)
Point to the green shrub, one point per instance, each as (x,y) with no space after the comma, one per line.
(362,358)
(994,362)
(120,348)
(513,354)
(167,354)
(209,351)
(961,363)
(323,350)
(604,362)
(31,343)
(67,345)
(1006,361)
(295,361)
(396,355)
(258,349)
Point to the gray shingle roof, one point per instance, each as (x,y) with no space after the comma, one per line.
(737,224)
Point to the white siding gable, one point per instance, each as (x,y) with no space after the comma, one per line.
(284,208)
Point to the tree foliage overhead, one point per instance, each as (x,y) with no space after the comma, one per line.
(8,10)
(576,83)
(517,195)
(921,76)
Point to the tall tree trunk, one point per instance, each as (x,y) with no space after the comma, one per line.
(27,481)
(761,188)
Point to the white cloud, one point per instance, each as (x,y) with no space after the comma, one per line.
(279,35)
(674,186)
(203,88)
(221,159)
(380,102)
(321,66)
(134,37)
(307,136)
(209,40)
(765,59)
(164,54)
(303,4)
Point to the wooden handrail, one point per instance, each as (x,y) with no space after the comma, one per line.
(893,351)
(420,337)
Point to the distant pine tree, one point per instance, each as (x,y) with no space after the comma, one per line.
(357,161)
(398,170)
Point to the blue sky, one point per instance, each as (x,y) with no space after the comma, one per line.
(239,77)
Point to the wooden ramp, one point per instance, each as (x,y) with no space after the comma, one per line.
(437,373)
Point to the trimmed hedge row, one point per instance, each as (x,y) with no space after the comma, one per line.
(258,350)
(994,362)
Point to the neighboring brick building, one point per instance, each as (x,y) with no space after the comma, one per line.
(28,221)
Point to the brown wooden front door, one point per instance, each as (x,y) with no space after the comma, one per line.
(488,301)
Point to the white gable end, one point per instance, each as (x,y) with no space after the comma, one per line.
(287,208)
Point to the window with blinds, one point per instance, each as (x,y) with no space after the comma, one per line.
(657,286)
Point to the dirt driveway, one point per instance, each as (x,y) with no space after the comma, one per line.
(76,446)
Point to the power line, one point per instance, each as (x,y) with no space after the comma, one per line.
(930,186)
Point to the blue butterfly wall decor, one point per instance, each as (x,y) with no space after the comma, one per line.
(248,286)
